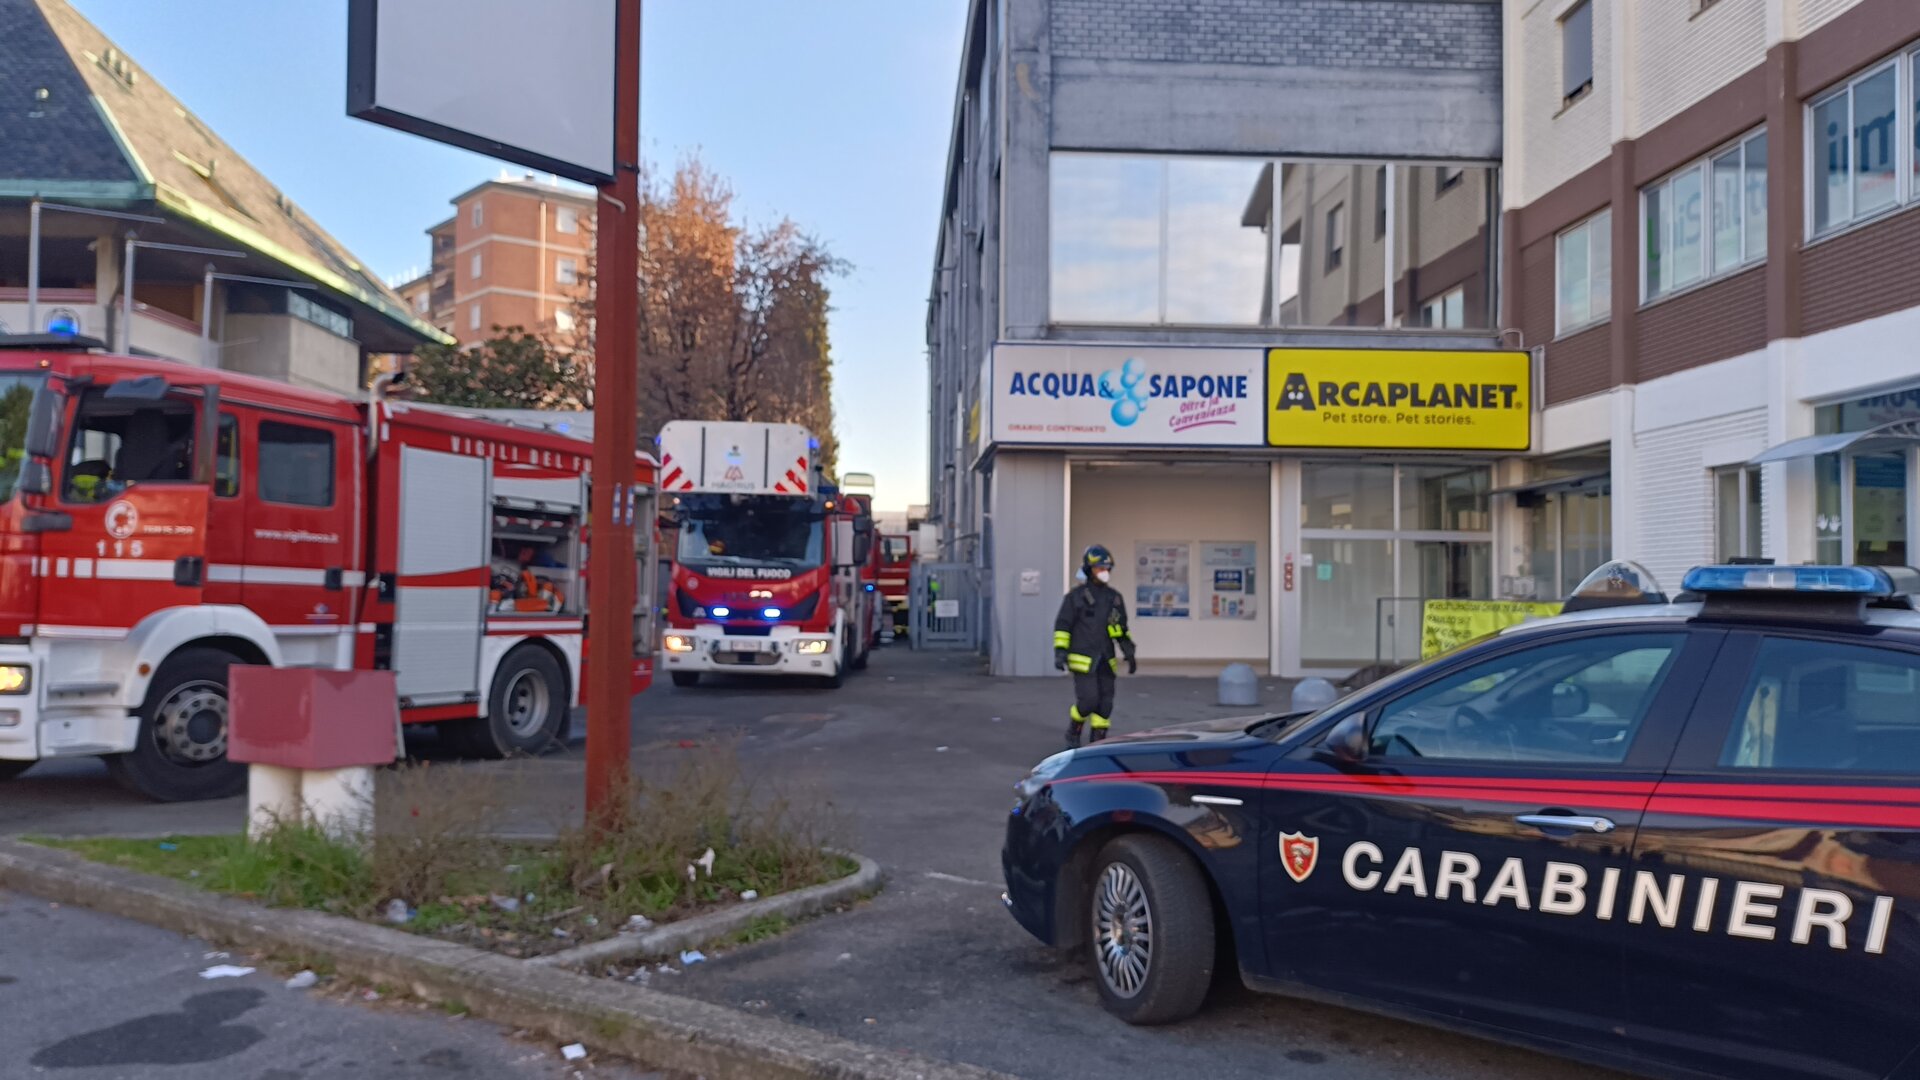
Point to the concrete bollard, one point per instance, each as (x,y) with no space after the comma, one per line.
(1239,685)
(1313,694)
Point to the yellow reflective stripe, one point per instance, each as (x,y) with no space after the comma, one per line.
(1113,663)
(1062,639)
(1098,722)
(1074,714)
(1079,664)
(1115,630)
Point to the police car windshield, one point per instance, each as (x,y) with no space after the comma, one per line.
(752,531)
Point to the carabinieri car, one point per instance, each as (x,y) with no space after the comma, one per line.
(1677,838)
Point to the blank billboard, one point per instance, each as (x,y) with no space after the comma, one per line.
(527,81)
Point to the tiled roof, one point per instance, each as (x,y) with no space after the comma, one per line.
(59,138)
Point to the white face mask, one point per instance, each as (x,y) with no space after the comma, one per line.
(1102,575)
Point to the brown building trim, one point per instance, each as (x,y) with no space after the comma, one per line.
(1734,108)
(1870,30)
(1721,319)
(1626,264)
(1786,192)
(1863,273)
(1585,193)
(1577,365)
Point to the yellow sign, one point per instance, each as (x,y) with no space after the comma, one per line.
(1447,624)
(1399,399)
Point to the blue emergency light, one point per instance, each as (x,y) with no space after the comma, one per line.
(1863,581)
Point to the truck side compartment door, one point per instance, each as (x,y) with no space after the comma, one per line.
(440,592)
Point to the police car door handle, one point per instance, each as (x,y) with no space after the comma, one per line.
(1567,821)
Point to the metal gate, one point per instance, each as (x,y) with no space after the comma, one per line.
(944,606)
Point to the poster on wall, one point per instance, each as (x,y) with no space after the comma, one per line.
(1227,570)
(1160,580)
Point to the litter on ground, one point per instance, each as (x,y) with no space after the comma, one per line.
(225,971)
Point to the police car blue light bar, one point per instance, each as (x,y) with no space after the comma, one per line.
(1867,581)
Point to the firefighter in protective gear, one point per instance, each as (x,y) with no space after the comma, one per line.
(1091,626)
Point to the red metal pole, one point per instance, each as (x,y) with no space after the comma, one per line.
(613,584)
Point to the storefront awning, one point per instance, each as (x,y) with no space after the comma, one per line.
(1897,435)
(1579,482)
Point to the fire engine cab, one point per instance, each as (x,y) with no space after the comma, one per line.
(769,572)
(163,522)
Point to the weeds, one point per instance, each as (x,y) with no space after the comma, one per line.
(436,849)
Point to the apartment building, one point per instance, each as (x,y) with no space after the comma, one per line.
(512,254)
(1215,287)
(1712,215)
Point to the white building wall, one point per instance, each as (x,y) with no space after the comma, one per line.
(1680,57)
(1555,143)
(1675,497)
(1817,13)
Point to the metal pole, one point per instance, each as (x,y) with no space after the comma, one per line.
(33,267)
(207,356)
(126,297)
(612,586)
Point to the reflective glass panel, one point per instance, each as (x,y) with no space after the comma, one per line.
(1875,139)
(1105,238)
(1216,241)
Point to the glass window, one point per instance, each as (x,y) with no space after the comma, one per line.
(1585,274)
(1832,189)
(1443,228)
(475,216)
(1707,219)
(566,219)
(1827,706)
(296,464)
(1380,202)
(1336,241)
(1318,287)
(1341,601)
(566,271)
(300,307)
(563,320)
(1829,543)
(1875,142)
(16,404)
(226,458)
(1571,701)
(1346,496)
(473,317)
(1216,261)
(473,265)
(1754,187)
(1446,498)
(1105,239)
(1576,52)
(1448,311)
(117,443)
(1736,513)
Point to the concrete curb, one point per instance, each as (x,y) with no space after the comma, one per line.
(658,1029)
(668,940)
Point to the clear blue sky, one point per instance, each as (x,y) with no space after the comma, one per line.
(835,114)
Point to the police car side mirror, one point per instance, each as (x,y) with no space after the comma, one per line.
(1347,742)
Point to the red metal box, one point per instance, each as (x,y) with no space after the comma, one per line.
(307,718)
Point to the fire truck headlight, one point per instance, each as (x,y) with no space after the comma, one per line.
(15,678)
(771,613)
(9,717)
(811,648)
(720,612)
(679,643)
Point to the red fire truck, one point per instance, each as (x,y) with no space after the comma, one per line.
(767,569)
(896,576)
(162,522)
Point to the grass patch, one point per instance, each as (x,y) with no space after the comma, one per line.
(434,850)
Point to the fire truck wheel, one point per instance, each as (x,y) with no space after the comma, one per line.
(526,708)
(839,677)
(181,751)
(686,678)
(11,769)
(860,661)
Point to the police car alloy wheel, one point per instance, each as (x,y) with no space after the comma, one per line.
(1150,921)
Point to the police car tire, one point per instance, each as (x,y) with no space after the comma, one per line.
(1180,970)
(11,769)
(492,736)
(686,678)
(145,770)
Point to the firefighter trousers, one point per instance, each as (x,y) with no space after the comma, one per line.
(1093,696)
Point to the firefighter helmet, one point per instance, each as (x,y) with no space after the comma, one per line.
(1097,558)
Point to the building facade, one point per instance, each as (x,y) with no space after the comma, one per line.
(1713,215)
(125,183)
(1216,286)
(514,253)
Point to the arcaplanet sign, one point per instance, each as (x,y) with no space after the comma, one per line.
(1399,399)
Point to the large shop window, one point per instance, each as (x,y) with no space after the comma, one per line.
(1860,164)
(1706,220)
(1193,241)
(1565,524)
(1376,540)
(1860,494)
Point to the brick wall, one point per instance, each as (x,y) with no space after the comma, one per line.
(1682,57)
(1432,34)
(1861,274)
(1714,322)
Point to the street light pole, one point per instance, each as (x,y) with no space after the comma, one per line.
(613,578)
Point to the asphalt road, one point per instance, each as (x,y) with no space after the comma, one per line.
(918,754)
(92,997)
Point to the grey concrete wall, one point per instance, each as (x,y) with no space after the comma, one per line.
(1029,533)
(291,350)
(1438,34)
